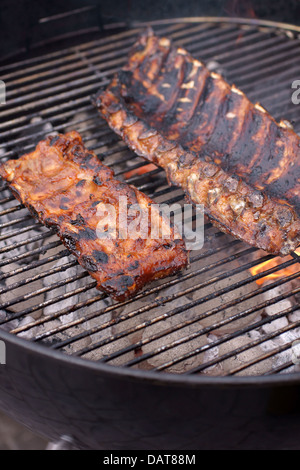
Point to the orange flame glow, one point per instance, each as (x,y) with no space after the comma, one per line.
(272,263)
(140,171)
(241,8)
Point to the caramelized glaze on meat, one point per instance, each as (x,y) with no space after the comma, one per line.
(225,152)
(62,184)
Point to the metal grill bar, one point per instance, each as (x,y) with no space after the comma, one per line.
(15,221)
(184,324)
(218,325)
(18,232)
(7,199)
(281,368)
(272,45)
(59,116)
(36,264)
(23,256)
(81,62)
(55,90)
(268,337)
(104,43)
(57,128)
(28,280)
(44,289)
(116,306)
(9,154)
(165,300)
(190,40)
(292,50)
(52,302)
(13,246)
(11,210)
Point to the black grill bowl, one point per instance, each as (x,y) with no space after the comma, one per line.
(100,407)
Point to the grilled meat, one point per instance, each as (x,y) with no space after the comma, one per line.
(225,152)
(63,184)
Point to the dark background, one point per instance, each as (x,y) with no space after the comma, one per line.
(23,27)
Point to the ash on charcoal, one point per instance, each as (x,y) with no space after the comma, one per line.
(46,327)
(9,268)
(41,127)
(9,324)
(223,367)
(275,325)
(294,317)
(214,66)
(17,238)
(58,300)
(282,304)
(136,343)
(85,120)
(9,294)
(285,322)
(220,294)
(59,292)
(171,339)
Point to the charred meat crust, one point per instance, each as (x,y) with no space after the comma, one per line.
(226,153)
(57,184)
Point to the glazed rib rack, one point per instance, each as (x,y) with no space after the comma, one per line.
(222,316)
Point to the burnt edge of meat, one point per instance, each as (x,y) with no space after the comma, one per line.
(281,222)
(78,221)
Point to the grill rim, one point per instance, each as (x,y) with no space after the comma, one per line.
(159,378)
(220,19)
(166,378)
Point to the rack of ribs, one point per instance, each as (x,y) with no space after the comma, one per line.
(225,152)
(62,183)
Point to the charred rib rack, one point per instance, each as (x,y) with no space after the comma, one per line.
(62,184)
(225,152)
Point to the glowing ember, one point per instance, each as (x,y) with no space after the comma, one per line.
(272,263)
(140,171)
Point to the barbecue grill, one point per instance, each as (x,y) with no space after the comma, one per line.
(205,359)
